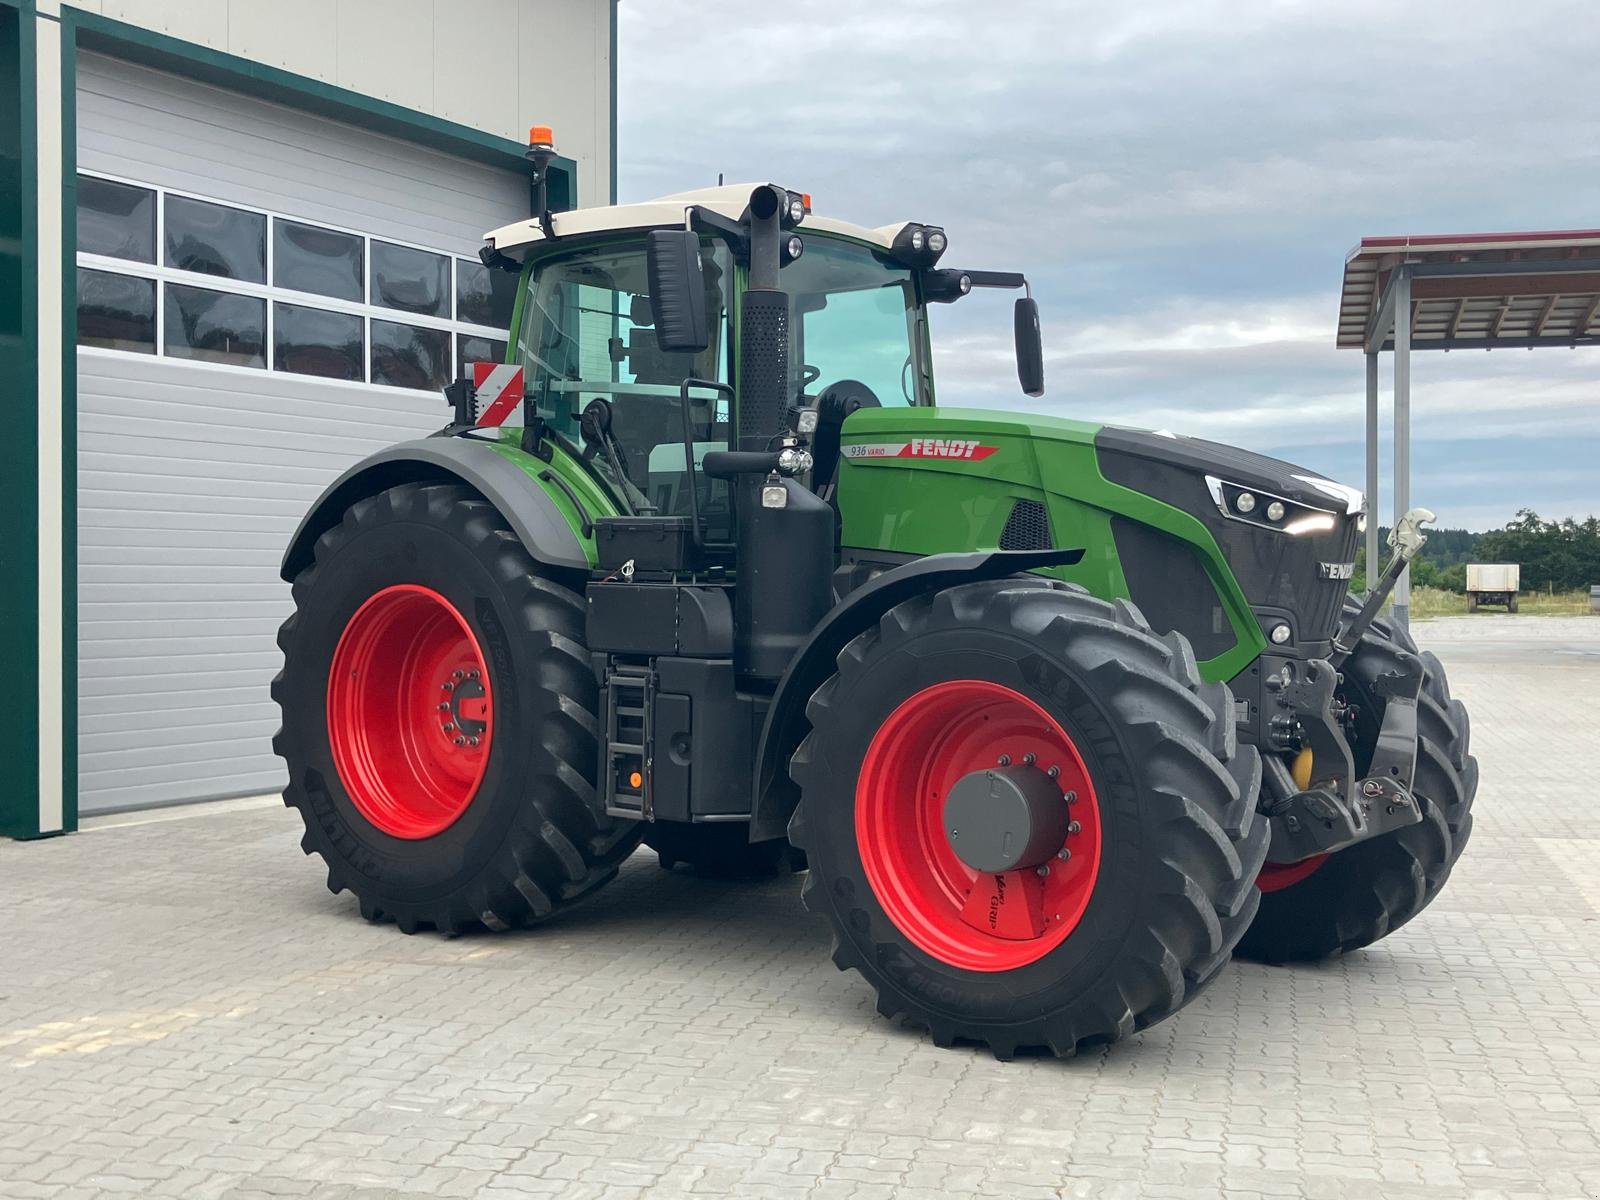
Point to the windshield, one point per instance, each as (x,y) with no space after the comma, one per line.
(856,318)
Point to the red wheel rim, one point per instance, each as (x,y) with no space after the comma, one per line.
(960,916)
(409,711)
(1275,877)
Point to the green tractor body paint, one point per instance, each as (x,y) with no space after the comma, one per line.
(1055,716)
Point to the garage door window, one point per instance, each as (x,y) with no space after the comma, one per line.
(242,288)
(116,220)
(218,327)
(213,239)
(312,341)
(325,262)
(116,312)
(411,280)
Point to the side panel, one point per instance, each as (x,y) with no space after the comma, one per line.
(925,481)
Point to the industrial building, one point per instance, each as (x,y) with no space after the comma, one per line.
(237,252)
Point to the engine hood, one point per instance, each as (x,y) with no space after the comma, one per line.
(1123,450)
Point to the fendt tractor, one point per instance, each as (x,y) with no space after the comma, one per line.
(1054,716)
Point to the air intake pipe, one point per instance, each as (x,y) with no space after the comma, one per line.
(785,533)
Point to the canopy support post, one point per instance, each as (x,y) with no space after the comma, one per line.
(1402,431)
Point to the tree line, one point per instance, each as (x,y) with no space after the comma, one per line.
(1561,555)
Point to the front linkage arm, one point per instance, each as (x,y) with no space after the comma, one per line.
(1405,539)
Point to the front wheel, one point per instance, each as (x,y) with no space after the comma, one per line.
(1027,820)
(439,718)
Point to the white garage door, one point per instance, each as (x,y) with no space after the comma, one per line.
(264,297)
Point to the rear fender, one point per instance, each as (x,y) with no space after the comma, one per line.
(785,725)
(537,511)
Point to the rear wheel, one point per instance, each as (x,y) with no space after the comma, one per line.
(1336,903)
(439,718)
(1026,819)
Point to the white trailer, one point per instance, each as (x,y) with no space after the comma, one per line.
(1493,583)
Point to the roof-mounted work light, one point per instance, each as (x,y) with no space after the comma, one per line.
(919,246)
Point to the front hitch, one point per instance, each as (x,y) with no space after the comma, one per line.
(1338,810)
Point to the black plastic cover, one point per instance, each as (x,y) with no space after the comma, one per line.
(650,543)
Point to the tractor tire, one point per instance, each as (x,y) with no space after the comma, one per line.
(1348,900)
(439,719)
(1154,882)
(718,848)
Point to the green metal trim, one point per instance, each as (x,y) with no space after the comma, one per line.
(19,374)
(614,4)
(69,424)
(121,40)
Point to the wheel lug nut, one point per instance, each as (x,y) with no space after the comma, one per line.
(449,725)
(1074,827)
(1043,871)
(1054,772)
(1005,760)
(444,707)
(1064,854)
(461,741)
(472,674)
(1028,758)
(449,687)
(1072,797)
(472,741)
(455,675)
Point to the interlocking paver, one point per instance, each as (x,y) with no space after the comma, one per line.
(184,1011)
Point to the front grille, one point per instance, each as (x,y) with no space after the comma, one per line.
(1324,598)
(1027,528)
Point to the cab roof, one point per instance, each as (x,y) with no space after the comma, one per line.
(729,200)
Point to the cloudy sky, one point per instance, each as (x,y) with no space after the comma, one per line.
(1181,181)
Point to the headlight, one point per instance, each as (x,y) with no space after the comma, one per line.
(1278,513)
(936,242)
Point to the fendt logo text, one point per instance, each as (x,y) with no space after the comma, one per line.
(962,448)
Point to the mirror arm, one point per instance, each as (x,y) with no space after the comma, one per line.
(703,220)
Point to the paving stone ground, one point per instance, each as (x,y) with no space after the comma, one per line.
(185,1011)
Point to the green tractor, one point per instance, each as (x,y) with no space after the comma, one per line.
(1055,716)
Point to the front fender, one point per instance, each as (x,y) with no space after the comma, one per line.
(492,470)
(785,725)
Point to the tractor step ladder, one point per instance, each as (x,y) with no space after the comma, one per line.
(630,695)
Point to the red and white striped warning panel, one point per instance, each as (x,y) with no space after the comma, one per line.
(499,391)
(962,448)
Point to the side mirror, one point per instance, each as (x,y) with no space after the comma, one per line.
(677,290)
(1030,347)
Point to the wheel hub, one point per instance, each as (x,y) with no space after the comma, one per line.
(410,712)
(1006,818)
(978,825)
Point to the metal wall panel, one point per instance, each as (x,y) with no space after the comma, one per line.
(493,65)
(193,477)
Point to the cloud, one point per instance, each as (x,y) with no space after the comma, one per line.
(1181,182)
